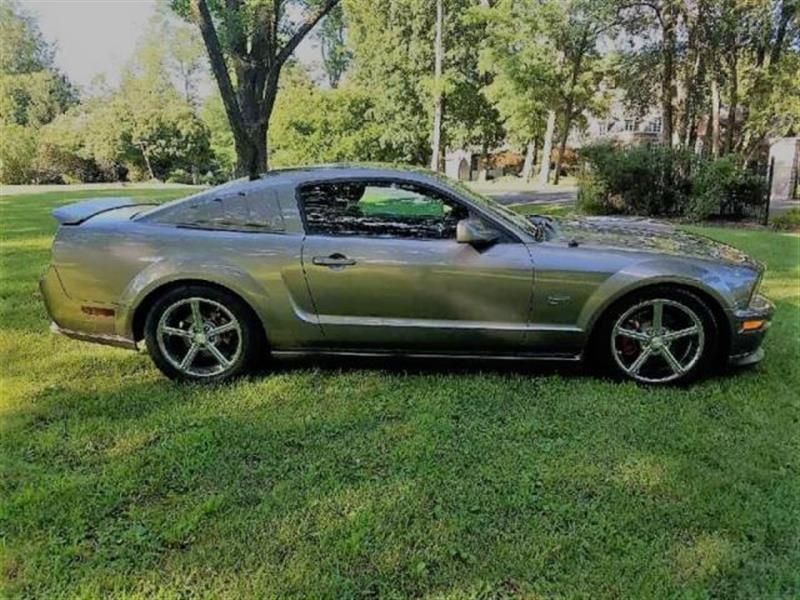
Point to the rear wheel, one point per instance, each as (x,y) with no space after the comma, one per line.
(659,336)
(200,333)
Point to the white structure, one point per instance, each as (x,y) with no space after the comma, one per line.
(786,153)
(465,165)
(458,165)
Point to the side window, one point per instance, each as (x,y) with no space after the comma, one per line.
(256,210)
(379,209)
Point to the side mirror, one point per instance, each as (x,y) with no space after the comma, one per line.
(475,232)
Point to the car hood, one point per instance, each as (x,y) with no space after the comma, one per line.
(646,235)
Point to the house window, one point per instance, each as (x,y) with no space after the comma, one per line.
(655,125)
(630,124)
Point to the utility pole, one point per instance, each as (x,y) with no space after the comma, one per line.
(436,140)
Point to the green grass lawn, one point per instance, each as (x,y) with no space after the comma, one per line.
(345,480)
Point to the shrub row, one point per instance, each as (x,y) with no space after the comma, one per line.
(660,181)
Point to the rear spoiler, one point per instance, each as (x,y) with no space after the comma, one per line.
(75,214)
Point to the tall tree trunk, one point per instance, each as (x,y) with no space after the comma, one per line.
(562,145)
(253,160)
(693,97)
(577,61)
(705,150)
(788,10)
(257,57)
(438,108)
(668,76)
(544,167)
(527,166)
(714,116)
(733,93)
(143,147)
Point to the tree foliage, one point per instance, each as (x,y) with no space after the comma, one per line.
(144,128)
(393,52)
(715,66)
(248,42)
(32,92)
(336,54)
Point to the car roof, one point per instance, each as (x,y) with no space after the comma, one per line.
(326,172)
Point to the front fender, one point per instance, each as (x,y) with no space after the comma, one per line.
(209,269)
(707,278)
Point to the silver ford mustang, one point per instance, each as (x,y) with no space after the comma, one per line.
(365,260)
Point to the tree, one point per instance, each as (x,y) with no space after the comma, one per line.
(22,47)
(470,119)
(255,38)
(662,17)
(220,136)
(314,125)
(716,61)
(523,63)
(576,26)
(394,51)
(186,54)
(32,92)
(336,55)
(17,153)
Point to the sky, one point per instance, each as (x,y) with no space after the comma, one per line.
(96,37)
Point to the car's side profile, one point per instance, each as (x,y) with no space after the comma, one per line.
(378,261)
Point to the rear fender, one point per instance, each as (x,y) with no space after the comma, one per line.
(207,269)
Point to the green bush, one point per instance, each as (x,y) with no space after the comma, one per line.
(789,220)
(17,153)
(592,196)
(660,181)
(720,187)
(180,176)
(641,180)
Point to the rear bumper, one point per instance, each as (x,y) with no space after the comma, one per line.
(74,319)
(97,338)
(746,344)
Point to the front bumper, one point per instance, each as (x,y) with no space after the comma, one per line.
(746,344)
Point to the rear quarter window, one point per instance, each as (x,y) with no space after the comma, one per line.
(242,210)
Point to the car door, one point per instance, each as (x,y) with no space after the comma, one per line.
(385,271)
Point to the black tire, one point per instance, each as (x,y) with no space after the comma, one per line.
(241,346)
(610,350)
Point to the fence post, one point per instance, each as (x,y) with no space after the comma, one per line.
(770,171)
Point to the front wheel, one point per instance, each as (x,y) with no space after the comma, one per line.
(660,337)
(199,333)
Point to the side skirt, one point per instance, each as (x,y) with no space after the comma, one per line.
(431,355)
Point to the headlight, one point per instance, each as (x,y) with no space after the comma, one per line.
(756,286)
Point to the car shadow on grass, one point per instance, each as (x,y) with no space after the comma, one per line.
(400,364)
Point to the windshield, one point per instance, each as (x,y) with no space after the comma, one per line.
(511,217)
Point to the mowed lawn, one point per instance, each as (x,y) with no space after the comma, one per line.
(396,480)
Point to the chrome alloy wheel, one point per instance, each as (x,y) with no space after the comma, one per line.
(657,340)
(199,337)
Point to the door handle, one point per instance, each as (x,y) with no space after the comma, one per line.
(333,261)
